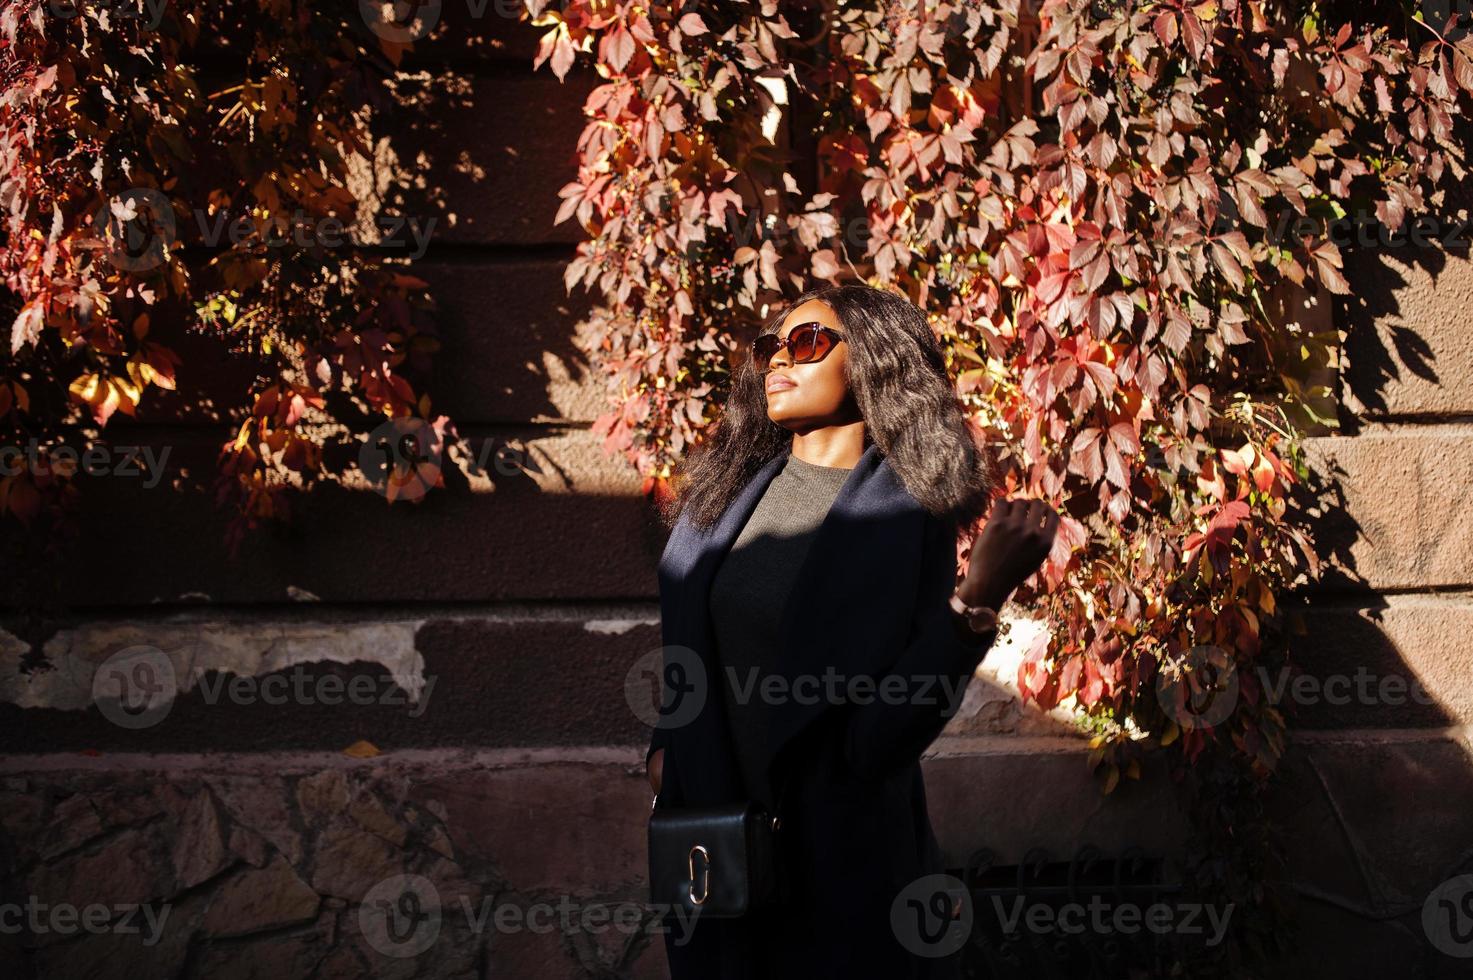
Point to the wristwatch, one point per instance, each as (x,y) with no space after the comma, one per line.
(980,619)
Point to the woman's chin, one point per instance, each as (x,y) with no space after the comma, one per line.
(785,416)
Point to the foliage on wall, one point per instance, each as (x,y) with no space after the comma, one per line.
(190,164)
(1122,219)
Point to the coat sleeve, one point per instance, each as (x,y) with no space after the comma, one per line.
(658,739)
(921,691)
(660,736)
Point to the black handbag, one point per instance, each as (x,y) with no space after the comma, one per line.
(718,861)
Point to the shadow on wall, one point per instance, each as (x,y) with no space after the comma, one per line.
(1375,793)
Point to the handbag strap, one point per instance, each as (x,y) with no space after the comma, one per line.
(784,791)
(782,795)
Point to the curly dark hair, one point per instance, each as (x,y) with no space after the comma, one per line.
(898,376)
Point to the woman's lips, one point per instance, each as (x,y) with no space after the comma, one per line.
(781,384)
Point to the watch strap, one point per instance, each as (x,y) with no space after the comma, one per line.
(980,619)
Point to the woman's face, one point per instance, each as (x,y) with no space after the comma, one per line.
(803,397)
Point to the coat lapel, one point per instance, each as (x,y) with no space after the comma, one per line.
(848,612)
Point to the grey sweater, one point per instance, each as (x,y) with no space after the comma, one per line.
(750,589)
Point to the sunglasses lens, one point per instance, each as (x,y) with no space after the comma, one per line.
(763,348)
(810,343)
(805,343)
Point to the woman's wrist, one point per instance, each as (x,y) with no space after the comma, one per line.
(980,594)
(974,618)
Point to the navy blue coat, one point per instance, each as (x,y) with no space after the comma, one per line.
(870,600)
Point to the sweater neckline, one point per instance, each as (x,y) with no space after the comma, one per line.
(816,468)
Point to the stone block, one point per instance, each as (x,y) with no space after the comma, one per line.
(1406,521)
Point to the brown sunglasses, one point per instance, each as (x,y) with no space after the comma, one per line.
(806,343)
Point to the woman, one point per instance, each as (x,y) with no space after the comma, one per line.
(814,547)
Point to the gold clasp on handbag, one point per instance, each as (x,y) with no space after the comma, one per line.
(706,883)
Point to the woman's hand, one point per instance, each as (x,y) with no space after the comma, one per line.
(656,771)
(1013,543)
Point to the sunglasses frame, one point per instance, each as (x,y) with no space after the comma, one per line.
(787,343)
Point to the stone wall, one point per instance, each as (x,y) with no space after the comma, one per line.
(426,706)
(1376,797)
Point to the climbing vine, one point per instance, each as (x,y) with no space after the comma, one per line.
(1120,218)
(182,169)
(1118,215)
